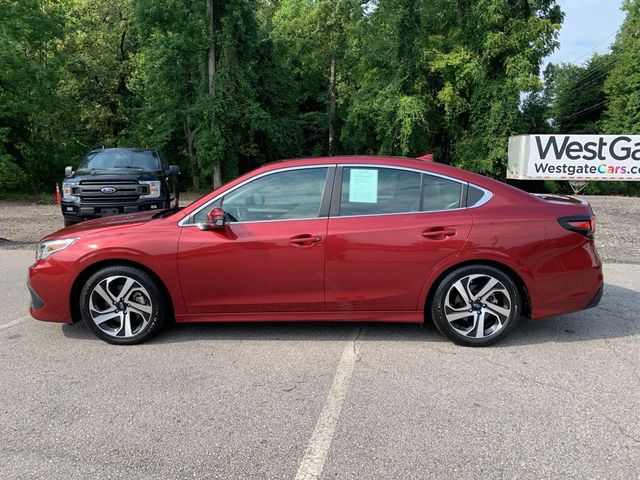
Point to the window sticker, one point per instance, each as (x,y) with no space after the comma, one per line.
(363,186)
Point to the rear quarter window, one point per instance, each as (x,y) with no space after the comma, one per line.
(475,195)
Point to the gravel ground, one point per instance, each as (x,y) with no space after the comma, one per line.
(23,224)
(617,228)
(618,221)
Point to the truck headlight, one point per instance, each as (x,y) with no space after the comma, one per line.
(154,188)
(67,192)
(49,247)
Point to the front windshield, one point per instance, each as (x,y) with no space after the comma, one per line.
(143,160)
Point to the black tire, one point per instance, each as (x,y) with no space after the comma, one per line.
(102,289)
(448,302)
(68,223)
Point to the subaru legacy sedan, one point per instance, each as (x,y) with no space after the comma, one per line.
(340,239)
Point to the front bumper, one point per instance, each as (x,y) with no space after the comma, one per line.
(50,286)
(36,302)
(78,212)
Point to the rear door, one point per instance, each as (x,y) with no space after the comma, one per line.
(388,228)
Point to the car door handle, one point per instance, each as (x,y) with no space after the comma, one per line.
(438,233)
(305,240)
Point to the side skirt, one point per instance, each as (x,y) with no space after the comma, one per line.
(329,316)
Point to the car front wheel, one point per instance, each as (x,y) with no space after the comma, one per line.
(476,306)
(123,305)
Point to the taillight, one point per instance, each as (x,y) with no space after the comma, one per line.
(583,224)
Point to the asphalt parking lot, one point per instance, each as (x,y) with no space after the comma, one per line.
(559,399)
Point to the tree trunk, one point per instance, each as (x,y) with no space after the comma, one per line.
(188,133)
(332,102)
(211,76)
(211,51)
(217,176)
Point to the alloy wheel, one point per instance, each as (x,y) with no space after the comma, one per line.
(477,306)
(120,306)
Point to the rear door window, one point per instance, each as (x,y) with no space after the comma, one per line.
(376,191)
(440,193)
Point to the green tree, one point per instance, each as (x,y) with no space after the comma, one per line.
(622,86)
(32,113)
(315,39)
(213,93)
(446,76)
(577,95)
(168,77)
(99,48)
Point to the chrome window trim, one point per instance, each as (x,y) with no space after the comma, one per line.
(425,172)
(183,222)
(488,195)
(399,213)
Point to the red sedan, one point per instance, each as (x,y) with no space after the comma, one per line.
(340,238)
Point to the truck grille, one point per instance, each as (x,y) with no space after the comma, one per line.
(98,191)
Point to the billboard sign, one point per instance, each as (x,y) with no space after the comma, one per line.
(574,157)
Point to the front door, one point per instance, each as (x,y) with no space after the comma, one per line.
(270,255)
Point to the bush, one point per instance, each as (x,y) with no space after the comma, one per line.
(12,179)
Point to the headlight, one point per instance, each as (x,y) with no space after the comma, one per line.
(67,191)
(154,188)
(49,247)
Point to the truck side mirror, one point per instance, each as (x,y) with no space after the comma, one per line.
(68,171)
(174,170)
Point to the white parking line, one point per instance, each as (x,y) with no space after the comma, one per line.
(320,442)
(14,322)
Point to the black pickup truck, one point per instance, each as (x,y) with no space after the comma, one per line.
(112,181)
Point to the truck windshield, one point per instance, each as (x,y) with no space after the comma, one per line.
(143,160)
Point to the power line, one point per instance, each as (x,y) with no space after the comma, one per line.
(596,46)
(594,75)
(593,107)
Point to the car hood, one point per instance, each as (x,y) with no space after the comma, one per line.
(102,224)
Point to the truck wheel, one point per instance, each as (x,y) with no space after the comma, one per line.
(68,223)
(476,306)
(123,305)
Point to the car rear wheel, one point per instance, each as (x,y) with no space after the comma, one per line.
(123,305)
(476,306)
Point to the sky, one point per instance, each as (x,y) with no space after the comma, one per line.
(589,26)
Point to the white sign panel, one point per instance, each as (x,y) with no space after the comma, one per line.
(574,157)
(363,185)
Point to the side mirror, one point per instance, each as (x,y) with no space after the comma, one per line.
(215,219)
(68,171)
(174,170)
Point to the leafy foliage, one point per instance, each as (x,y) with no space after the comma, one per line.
(445,76)
(622,86)
(223,86)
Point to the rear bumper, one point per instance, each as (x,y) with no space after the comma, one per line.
(596,298)
(49,284)
(569,282)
